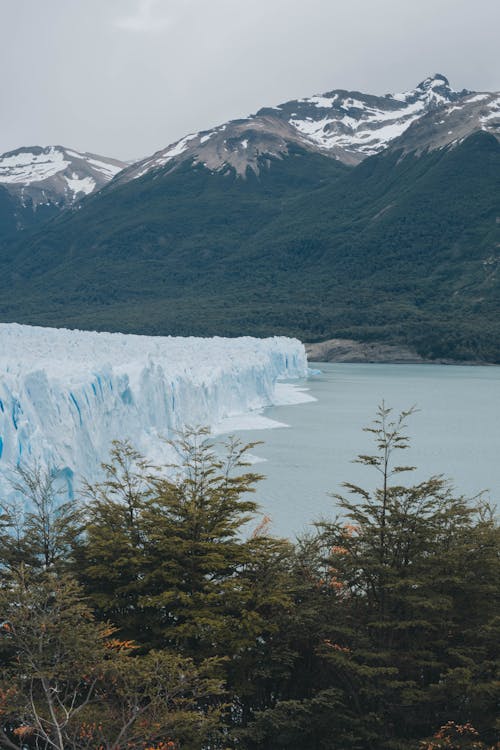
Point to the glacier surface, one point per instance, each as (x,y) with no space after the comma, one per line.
(66,395)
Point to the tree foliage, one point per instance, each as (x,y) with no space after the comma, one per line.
(40,527)
(70,683)
(405,593)
(167,616)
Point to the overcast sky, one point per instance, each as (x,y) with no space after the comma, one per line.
(124,78)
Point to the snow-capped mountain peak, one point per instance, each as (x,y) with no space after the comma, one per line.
(361,125)
(452,122)
(346,125)
(27,165)
(436,86)
(54,174)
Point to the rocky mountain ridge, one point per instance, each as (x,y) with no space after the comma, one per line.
(452,123)
(47,179)
(346,125)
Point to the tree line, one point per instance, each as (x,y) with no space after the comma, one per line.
(160,613)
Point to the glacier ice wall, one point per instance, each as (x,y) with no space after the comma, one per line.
(65,395)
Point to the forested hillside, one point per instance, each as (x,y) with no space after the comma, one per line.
(402,248)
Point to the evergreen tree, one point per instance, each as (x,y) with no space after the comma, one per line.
(195,548)
(379,632)
(400,595)
(109,562)
(55,652)
(414,569)
(166,559)
(40,527)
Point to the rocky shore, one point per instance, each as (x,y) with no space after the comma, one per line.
(349,350)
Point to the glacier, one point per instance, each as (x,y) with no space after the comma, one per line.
(65,395)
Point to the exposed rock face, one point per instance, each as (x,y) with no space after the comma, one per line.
(348,350)
(355,125)
(452,123)
(345,125)
(48,179)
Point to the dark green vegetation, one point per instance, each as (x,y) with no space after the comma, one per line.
(378,632)
(7,214)
(402,249)
(14,214)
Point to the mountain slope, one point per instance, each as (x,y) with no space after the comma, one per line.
(406,249)
(345,125)
(402,248)
(117,245)
(36,183)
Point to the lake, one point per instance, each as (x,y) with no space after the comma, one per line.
(456,432)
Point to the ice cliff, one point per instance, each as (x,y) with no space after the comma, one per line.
(65,395)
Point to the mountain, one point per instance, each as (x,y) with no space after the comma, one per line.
(452,123)
(389,233)
(346,125)
(36,183)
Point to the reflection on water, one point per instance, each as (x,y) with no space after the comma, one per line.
(456,432)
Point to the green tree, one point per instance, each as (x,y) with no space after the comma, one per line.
(40,527)
(70,685)
(415,572)
(396,624)
(306,705)
(55,650)
(194,545)
(171,562)
(109,562)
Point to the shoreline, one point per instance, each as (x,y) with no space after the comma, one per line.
(350,351)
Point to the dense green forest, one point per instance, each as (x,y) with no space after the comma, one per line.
(403,248)
(161,614)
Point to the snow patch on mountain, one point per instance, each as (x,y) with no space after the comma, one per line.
(176,150)
(31,166)
(453,124)
(79,185)
(65,395)
(366,124)
(345,125)
(161,158)
(53,176)
(494,111)
(107,168)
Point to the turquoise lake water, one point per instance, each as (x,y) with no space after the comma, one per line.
(456,432)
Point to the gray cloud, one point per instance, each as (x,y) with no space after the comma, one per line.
(147,16)
(127,77)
